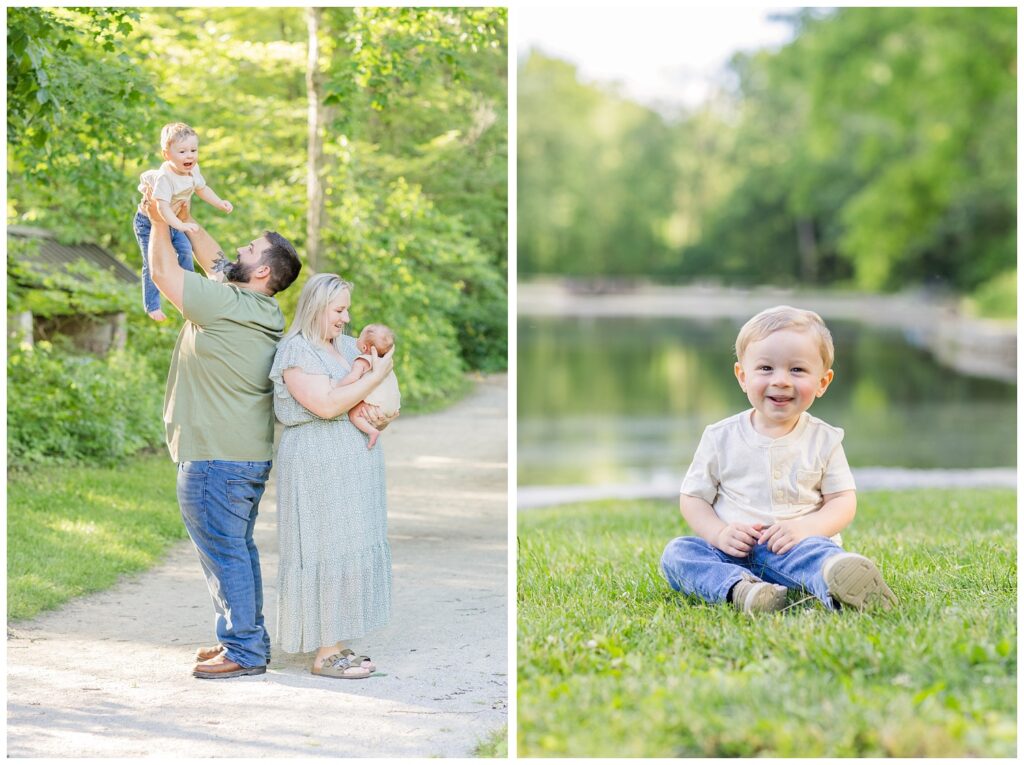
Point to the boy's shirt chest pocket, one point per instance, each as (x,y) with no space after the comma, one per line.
(792,484)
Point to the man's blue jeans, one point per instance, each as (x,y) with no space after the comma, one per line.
(693,566)
(219,502)
(182,247)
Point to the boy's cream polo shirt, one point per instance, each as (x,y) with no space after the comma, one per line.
(170,187)
(750,478)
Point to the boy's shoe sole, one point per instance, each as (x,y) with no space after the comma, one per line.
(855,581)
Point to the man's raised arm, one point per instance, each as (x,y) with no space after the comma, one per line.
(205,249)
(168,276)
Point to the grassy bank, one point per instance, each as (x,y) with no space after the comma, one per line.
(495,745)
(75,530)
(614,663)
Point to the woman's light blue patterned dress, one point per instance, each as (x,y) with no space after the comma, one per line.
(334,578)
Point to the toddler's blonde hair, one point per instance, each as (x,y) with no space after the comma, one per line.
(173,132)
(786,317)
(380,336)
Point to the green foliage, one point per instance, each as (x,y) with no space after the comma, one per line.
(76,104)
(877,148)
(613,663)
(407,264)
(495,745)
(419,97)
(75,530)
(996,298)
(66,407)
(595,189)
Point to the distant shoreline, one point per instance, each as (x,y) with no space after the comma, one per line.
(979,347)
(868,479)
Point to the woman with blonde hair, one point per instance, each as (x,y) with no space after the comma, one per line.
(334,580)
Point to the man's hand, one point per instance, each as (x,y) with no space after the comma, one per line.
(149,206)
(738,539)
(781,537)
(183,210)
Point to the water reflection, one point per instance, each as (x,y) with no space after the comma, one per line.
(617,400)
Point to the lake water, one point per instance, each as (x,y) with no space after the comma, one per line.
(623,400)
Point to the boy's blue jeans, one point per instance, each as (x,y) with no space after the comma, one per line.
(694,567)
(182,246)
(219,501)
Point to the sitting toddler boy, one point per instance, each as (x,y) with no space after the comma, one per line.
(386,395)
(770,489)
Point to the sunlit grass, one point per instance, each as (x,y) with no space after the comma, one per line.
(614,663)
(74,530)
(495,745)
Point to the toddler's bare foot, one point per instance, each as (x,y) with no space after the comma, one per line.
(373,439)
(157,315)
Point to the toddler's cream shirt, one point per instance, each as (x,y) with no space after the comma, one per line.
(750,478)
(168,186)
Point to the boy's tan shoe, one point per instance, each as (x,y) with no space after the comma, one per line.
(855,581)
(752,596)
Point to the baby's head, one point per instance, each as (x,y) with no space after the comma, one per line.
(784,361)
(377,336)
(179,145)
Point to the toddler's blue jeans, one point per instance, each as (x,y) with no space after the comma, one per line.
(219,501)
(182,246)
(693,566)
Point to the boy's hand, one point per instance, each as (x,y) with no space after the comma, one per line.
(226,206)
(738,539)
(189,228)
(782,536)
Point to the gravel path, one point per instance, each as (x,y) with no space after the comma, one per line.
(108,675)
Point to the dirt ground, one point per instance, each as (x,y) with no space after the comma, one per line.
(109,675)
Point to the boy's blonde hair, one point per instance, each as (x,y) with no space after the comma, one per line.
(317,294)
(786,317)
(380,336)
(173,132)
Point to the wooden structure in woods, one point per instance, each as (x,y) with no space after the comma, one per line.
(97,333)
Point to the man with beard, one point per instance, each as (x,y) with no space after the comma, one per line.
(218,411)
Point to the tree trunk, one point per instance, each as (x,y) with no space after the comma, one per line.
(807,243)
(315,149)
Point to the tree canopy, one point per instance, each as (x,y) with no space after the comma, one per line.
(877,149)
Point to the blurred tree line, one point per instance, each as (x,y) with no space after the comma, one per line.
(877,150)
(406,106)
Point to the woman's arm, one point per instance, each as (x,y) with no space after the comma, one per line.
(316,393)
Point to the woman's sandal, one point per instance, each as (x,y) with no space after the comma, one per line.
(340,666)
(358,661)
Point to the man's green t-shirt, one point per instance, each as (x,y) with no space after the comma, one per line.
(219,404)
